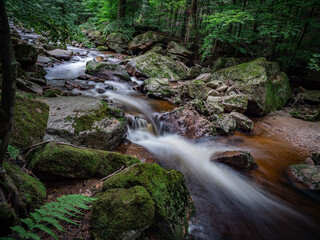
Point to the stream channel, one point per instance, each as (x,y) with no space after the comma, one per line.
(260,204)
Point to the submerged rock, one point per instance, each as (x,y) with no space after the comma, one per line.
(266,87)
(122,213)
(29,122)
(86,121)
(154,65)
(54,161)
(168,192)
(145,41)
(61,54)
(241,160)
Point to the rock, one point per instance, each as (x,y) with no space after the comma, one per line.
(204,77)
(243,122)
(227,62)
(214,105)
(193,72)
(186,121)
(168,191)
(100,41)
(122,213)
(29,122)
(154,65)
(158,48)
(237,103)
(57,161)
(61,54)
(118,42)
(241,160)
(222,88)
(145,41)
(308,175)
(43,60)
(205,70)
(213,93)
(32,191)
(312,96)
(29,86)
(266,88)
(177,49)
(86,121)
(107,71)
(7,218)
(25,54)
(224,124)
(157,88)
(102,48)
(316,158)
(214,84)
(195,89)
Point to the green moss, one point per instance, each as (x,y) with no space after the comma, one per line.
(52,93)
(86,121)
(102,48)
(57,160)
(7,218)
(118,212)
(29,122)
(32,190)
(168,191)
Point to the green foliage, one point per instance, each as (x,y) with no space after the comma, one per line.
(49,215)
(13,152)
(314,64)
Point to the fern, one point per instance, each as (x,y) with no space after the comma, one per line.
(49,215)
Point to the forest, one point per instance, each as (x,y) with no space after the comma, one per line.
(160,120)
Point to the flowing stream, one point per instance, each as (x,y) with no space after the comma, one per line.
(229,205)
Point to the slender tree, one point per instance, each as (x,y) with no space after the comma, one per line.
(122,9)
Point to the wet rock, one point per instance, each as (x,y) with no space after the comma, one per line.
(29,122)
(25,54)
(204,77)
(177,49)
(316,158)
(107,71)
(57,161)
(145,41)
(157,88)
(61,54)
(122,213)
(214,105)
(227,62)
(307,175)
(243,122)
(100,41)
(241,160)
(224,123)
(86,121)
(167,190)
(154,65)
(186,121)
(193,72)
(237,103)
(312,97)
(195,89)
(266,87)
(29,86)
(118,42)
(44,60)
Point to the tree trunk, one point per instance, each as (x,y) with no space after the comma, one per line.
(9,78)
(122,9)
(192,25)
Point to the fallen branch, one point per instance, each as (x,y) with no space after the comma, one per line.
(34,146)
(102,179)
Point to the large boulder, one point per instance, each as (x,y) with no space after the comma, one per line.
(118,42)
(186,121)
(221,63)
(86,121)
(312,96)
(224,123)
(266,87)
(25,54)
(145,41)
(243,122)
(193,90)
(29,122)
(122,213)
(32,191)
(241,160)
(107,70)
(157,88)
(237,103)
(308,175)
(213,105)
(169,193)
(54,161)
(28,86)
(61,54)
(154,65)
(177,49)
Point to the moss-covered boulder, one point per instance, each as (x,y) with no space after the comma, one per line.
(86,122)
(145,41)
(118,42)
(122,213)
(62,161)
(32,191)
(224,123)
(243,123)
(7,218)
(307,175)
(193,72)
(107,70)
(29,122)
(193,90)
(221,63)
(237,103)
(168,191)
(25,54)
(157,88)
(154,65)
(177,49)
(266,87)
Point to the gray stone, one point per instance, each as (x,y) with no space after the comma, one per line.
(243,122)
(238,103)
(61,54)
(145,41)
(241,160)
(205,77)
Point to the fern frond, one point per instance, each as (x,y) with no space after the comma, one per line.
(20,230)
(28,221)
(33,236)
(36,216)
(54,222)
(46,229)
